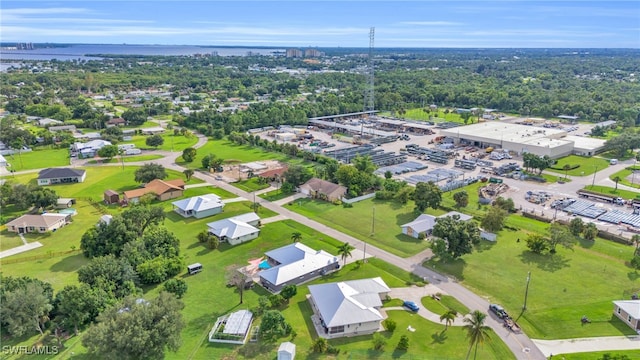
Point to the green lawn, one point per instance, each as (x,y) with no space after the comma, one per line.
(231,152)
(588,165)
(171,142)
(275,195)
(626,177)
(631,354)
(434,116)
(39,158)
(250,185)
(560,292)
(357,222)
(443,305)
(606,190)
(128,159)
(614,155)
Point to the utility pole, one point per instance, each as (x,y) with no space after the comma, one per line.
(526,291)
(594,177)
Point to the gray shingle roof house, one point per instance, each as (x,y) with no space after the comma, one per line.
(199,206)
(60,176)
(629,312)
(349,307)
(321,189)
(424,223)
(237,229)
(295,264)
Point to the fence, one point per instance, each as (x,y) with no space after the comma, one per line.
(48,255)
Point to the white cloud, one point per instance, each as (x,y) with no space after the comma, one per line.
(432,23)
(44,11)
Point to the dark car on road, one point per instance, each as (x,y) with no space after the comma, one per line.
(498,310)
(411,306)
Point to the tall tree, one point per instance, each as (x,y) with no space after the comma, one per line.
(297,175)
(461,198)
(115,276)
(296,236)
(42,198)
(616,179)
(189,154)
(576,226)
(559,235)
(493,220)
(448,318)
(566,169)
(150,171)
(477,331)
(79,305)
(154,140)
(364,164)
(26,308)
(636,241)
(238,279)
(590,231)
(456,237)
(273,325)
(108,151)
(427,195)
(344,251)
(137,329)
(188,173)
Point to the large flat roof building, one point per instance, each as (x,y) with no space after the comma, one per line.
(523,138)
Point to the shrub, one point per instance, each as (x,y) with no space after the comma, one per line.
(390,325)
(403,344)
(320,346)
(379,342)
(176,286)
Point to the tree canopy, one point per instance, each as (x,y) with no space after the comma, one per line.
(427,195)
(148,172)
(455,237)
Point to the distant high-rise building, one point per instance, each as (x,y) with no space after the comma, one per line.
(24,46)
(313,53)
(294,53)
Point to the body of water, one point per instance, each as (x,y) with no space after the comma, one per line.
(83,51)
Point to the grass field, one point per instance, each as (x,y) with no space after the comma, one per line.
(250,185)
(275,195)
(588,165)
(231,152)
(171,142)
(607,190)
(358,222)
(625,174)
(38,158)
(128,159)
(443,305)
(631,354)
(434,116)
(559,291)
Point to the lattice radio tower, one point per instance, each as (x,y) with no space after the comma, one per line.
(369,93)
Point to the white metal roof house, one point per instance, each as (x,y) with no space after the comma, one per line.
(349,307)
(424,223)
(295,264)
(237,229)
(199,206)
(52,176)
(629,312)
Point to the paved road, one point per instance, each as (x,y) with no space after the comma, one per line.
(569,346)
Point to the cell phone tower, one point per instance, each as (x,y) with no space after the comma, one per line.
(369,98)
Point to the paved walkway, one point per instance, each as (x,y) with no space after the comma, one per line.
(568,346)
(272,219)
(235,199)
(190,186)
(20,249)
(289,199)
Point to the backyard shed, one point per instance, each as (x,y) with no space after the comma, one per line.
(287,351)
(111,197)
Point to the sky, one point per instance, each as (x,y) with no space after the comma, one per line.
(301,23)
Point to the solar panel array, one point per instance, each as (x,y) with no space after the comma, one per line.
(619,217)
(585,208)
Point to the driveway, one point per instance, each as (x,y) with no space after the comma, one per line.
(415,294)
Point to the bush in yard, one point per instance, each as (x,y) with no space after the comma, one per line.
(379,342)
(390,325)
(320,346)
(635,262)
(403,344)
(176,286)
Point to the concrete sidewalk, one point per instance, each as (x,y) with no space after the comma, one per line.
(569,346)
(20,249)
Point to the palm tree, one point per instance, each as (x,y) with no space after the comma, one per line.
(296,236)
(616,179)
(448,318)
(566,169)
(345,251)
(477,331)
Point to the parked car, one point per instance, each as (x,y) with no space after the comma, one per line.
(411,306)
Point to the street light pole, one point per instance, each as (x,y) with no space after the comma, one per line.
(594,177)
(526,291)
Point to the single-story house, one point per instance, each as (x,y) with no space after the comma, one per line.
(116,122)
(629,312)
(295,264)
(3,161)
(199,206)
(274,174)
(65,203)
(38,223)
(111,197)
(233,328)
(163,190)
(104,219)
(47,121)
(236,230)
(62,128)
(52,176)
(89,149)
(321,189)
(152,131)
(349,307)
(424,223)
(287,351)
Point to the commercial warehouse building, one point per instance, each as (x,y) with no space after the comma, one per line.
(554,143)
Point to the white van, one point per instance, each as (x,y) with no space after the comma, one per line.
(613,161)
